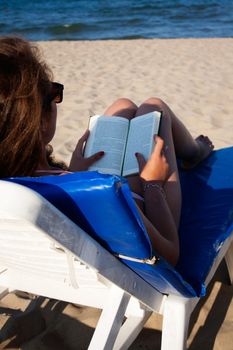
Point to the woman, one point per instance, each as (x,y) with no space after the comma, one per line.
(28,115)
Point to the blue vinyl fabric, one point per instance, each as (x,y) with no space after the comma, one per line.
(207,216)
(103,206)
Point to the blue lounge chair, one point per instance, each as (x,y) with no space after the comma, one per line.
(96,222)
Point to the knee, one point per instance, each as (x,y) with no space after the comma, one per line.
(125,103)
(122,107)
(157,103)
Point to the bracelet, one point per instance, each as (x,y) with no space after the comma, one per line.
(149,185)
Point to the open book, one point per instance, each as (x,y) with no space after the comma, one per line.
(120,139)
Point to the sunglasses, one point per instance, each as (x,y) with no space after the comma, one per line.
(56,93)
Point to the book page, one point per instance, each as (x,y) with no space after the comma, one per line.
(107,134)
(140,139)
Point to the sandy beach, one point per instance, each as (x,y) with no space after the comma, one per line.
(194,76)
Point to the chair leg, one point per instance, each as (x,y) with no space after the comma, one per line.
(130,330)
(110,320)
(176,315)
(3,291)
(3,282)
(229,261)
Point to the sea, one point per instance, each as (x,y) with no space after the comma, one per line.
(116,19)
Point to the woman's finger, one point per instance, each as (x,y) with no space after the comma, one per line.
(81,141)
(141,161)
(159,148)
(92,159)
(159,144)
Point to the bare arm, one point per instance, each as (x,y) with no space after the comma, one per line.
(160,225)
(157,216)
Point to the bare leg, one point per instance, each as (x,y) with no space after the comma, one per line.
(185,146)
(126,108)
(178,143)
(190,150)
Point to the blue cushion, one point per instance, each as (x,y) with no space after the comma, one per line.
(207,215)
(100,204)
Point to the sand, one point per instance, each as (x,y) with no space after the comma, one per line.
(194,76)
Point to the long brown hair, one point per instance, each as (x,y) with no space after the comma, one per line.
(24,84)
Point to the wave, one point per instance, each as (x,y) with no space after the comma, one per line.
(61,29)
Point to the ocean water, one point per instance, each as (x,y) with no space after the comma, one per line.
(116,19)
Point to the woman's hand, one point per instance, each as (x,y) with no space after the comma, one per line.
(78,162)
(156,168)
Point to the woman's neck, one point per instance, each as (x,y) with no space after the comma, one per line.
(43,163)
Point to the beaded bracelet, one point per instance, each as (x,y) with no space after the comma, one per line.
(149,185)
